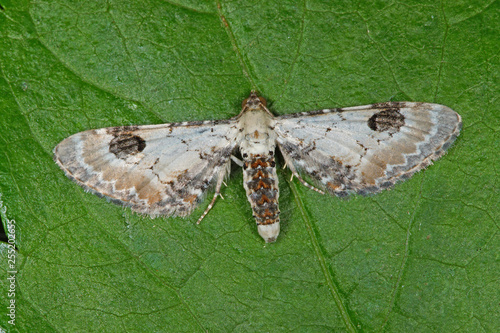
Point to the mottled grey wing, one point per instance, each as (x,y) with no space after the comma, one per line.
(367,148)
(154,169)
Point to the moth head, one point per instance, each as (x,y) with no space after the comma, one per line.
(253,101)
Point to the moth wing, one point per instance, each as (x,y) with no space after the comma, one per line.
(365,149)
(154,169)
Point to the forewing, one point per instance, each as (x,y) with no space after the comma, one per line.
(154,169)
(367,148)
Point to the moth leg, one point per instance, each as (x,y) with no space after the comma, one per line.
(220,181)
(237,160)
(290,165)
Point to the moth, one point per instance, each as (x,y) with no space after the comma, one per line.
(167,169)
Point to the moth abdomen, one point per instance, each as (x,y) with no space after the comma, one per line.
(261,185)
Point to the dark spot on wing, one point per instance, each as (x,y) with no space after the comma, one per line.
(125,145)
(390,120)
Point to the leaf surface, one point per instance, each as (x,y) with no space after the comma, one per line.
(422,257)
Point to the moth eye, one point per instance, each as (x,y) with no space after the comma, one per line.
(263,101)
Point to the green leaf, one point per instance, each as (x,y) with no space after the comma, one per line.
(422,257)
